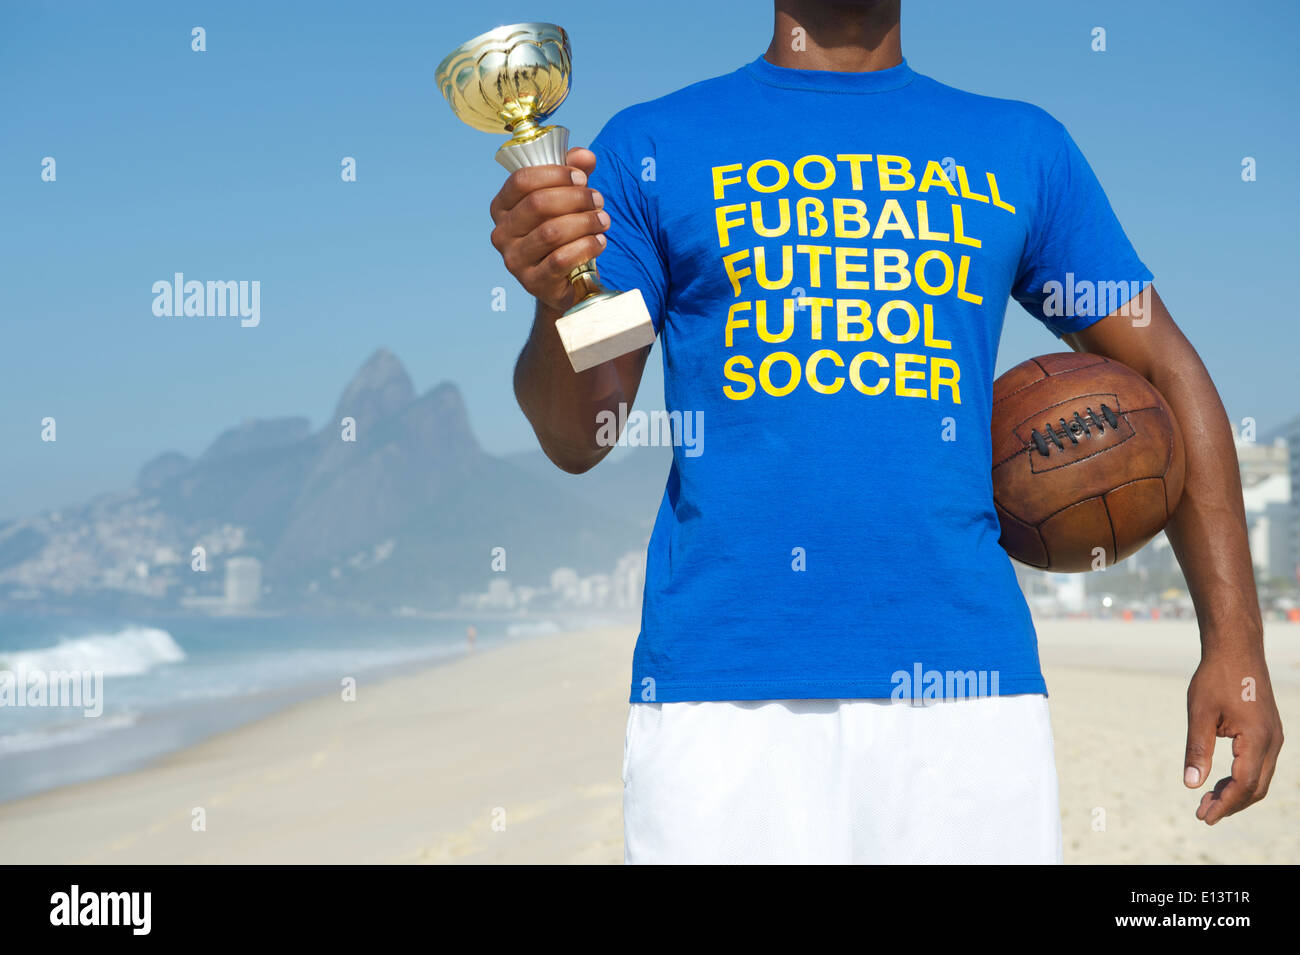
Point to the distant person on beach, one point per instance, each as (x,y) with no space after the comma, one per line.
(835,662)
(470,633)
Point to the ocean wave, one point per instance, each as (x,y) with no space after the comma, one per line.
(128,652)
(63,734)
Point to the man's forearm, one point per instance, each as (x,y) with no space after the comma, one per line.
(1208,530)
(1230,693)
(562,405)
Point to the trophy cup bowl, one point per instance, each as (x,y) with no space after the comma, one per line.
(510,80)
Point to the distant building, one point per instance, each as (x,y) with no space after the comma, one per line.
(1266,487)
(595,590)
(243,583)
(1265,473)
(1291,434)
(629,580)
(564,584)
(499,595)
(1271,544)
(1052,594)
(619,590)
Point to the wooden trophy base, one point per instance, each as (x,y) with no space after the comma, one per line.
(605,326)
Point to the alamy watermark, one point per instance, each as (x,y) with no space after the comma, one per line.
(131,910)
(1084,298)
(193,299)
(74,689)
(921,686)
(639,429)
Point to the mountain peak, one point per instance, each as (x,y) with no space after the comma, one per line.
(380,388)
(440,418)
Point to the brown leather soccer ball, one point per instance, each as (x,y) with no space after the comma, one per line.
(1086,455)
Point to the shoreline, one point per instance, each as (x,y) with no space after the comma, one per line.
(141,739)
(513,754)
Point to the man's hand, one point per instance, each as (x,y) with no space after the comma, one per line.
(1208,535)
(1230,695)
(548,221)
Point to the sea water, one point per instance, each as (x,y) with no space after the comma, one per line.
(168,683)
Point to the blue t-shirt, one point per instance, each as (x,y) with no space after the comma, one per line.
(828,258)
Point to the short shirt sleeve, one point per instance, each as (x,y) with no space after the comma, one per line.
(1078,266)
(632,257)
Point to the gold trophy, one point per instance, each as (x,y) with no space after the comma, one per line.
(510,80)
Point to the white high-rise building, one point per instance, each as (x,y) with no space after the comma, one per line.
(499,596)
(243,583)
(564,585)
(629,580)
(1266,485)
(1291,433)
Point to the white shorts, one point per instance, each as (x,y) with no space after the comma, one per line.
(841,781)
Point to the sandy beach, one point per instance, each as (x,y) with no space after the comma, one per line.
(514,755)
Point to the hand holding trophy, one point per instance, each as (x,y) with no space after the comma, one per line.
(510,80)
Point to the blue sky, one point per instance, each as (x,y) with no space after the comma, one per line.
(225,165)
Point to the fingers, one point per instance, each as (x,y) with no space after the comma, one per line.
(544,205)
(546,222)
(583,159)
(1202,729)
(523,182)
(552,234)
(542,259)
(1266,776)
(562,260)
(1237,791)
(551,275)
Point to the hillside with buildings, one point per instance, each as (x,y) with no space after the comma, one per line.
(391,506)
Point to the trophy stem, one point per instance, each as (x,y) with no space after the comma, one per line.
(541,146)
(585,280)
(594,299)
(526,130)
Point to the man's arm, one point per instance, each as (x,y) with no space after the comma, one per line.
(562,405)
(547,221)
(1208,534)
